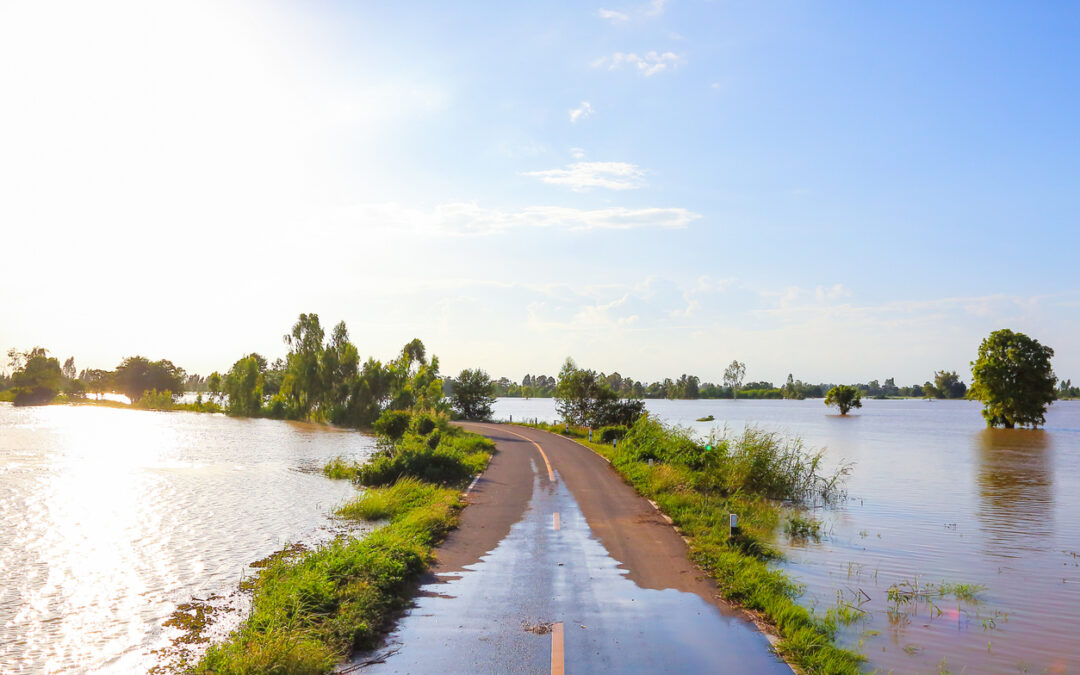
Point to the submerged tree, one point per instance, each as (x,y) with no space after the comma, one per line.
(474,393)
(1013,379)
(844,397)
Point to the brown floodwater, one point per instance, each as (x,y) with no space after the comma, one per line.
(934,498)
(110,519)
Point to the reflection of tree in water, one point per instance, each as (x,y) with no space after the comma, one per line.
(1015,479)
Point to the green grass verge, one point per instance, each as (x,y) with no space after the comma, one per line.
(311,611)
(745,475)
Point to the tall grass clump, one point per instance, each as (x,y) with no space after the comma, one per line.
(750,474)
(309,612)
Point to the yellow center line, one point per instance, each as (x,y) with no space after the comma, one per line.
(557,649)
(557,524)
(551,474)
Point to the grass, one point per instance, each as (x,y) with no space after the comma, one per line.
(312,610)
(750,474)
(798,527)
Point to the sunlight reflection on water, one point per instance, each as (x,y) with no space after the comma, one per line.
(110,518)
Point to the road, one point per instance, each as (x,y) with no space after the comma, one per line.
(558,566)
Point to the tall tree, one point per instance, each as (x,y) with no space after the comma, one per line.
(303,385)
(1013,379)
(243,384)
(733,377)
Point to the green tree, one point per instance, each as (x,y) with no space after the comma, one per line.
(340,364)
(302,385)
(581,394)
(215,385)
(1013,379)
(947,384)
(844,397)
(244,384)
(733,377)
(38,379)
(474,393)
(137,375)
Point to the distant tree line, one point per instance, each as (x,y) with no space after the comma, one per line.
(945,384)
(321,379)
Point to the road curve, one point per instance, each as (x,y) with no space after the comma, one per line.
(559,566)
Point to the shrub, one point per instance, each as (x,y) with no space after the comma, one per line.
(393,424)
(424,424)
(155,400)
(615,433)
(452,460)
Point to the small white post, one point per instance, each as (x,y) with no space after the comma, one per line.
(733,524)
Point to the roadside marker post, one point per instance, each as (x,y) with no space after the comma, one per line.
(733,525)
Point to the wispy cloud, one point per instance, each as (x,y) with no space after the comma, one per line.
(580,176)
(656,8)
(649,11)
(577,153)
(583,111)
(471,219)
(612,16)
(649,64)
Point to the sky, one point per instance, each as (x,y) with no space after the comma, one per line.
(844,191)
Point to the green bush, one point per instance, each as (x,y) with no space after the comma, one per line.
(452,460)
(424,424)
(277,407)
(393,424)
(155,400)
(613,433)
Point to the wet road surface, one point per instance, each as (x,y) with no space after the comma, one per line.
(559,566)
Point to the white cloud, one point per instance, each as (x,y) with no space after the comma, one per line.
(471,219)
(650,11)
(585,110)
(649,64)
(612,16)
(581,176)
(577,153)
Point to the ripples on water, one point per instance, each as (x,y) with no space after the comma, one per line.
(934,496)
(110,518)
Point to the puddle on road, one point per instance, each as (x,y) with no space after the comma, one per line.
(476,620)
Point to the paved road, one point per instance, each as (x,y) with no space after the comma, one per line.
(559,566)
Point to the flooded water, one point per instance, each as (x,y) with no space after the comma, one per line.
(111,518)
(935,498)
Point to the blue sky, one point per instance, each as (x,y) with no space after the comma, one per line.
(843,191)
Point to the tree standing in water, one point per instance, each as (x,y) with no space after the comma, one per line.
(1013,379)
(844,397)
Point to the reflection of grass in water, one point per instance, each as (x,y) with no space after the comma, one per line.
(798,527)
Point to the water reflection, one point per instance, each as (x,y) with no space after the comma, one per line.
(110,518)
(1016,489)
